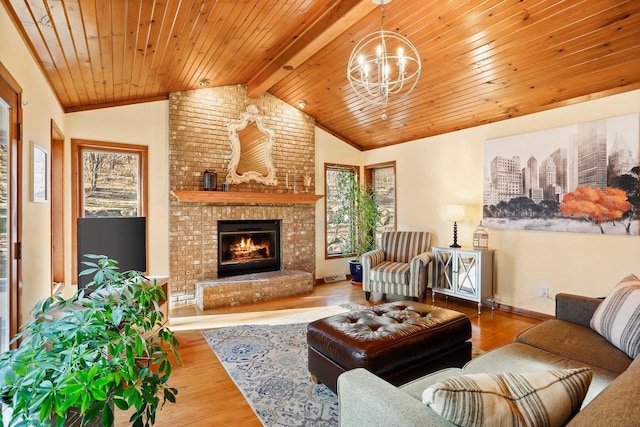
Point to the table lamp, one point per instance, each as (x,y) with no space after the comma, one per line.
(455,213)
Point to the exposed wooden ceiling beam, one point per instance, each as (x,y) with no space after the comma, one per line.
(327,27)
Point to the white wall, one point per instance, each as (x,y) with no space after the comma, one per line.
(434,172)
(141,124)
(331,150)
(41,107)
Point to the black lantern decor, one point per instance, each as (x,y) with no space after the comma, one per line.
(210,180)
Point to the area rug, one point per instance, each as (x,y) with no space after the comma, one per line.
(268,363)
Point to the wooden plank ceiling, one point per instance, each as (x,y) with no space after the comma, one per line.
(483,60)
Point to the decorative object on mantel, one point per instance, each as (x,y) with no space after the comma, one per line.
(307,183)
(251,145)
(480,237)
(455,213)
(225,186)
(210,179)
(295,175)
(384,66)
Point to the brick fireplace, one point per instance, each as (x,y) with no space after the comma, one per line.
(199,140)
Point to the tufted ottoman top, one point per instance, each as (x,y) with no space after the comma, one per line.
(387,337)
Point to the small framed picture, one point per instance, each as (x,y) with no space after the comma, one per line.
(39,174)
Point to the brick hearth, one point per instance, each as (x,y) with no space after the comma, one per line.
(247,288)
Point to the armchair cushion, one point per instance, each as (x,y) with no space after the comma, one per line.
(393,272)
(402,246)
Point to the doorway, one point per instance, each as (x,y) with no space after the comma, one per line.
(57,210)
(10,185)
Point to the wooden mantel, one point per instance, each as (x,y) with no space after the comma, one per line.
(245,198)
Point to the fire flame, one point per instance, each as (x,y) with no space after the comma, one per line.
(246,246)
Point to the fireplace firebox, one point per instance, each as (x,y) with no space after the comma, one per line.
(245,247)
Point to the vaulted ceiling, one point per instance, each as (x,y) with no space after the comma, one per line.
(483,60)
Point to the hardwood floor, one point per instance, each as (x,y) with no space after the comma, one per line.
(208,397)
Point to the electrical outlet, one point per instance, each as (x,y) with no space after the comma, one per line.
(544,292)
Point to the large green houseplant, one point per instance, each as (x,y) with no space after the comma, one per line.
(360,213)
(79,357)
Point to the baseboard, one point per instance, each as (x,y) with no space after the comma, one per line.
(523,312)
(502,307)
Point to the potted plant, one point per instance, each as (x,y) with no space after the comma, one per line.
(359,211)
(79,357)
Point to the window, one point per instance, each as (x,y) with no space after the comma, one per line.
(336,237)
(109,179)
(383,178)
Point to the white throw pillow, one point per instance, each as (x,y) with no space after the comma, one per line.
(617,318)
(547,398)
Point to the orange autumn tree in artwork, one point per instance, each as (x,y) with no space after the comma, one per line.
(595,205)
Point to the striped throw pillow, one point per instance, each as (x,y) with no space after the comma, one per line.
(617,318)
(547,398)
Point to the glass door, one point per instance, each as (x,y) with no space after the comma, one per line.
(10,115)
(467,274)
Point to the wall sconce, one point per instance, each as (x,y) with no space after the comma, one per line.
(455,213)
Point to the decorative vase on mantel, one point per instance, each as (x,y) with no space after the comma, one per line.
(210,180)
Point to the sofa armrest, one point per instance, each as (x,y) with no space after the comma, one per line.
(367,400)
(420,261)
(371,258)
(616,405)
(576,308)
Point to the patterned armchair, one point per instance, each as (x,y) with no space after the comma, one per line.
(399,267)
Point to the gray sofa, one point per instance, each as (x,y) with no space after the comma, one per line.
(561,343)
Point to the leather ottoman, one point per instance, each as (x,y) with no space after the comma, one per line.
(398,341)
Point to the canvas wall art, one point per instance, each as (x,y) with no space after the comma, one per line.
(580,178)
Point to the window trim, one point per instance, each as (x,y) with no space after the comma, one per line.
(368,176)
(327,166)
(78,146)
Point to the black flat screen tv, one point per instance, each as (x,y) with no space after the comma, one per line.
(123,239)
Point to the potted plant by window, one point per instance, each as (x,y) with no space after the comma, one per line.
(360,213)
(78,358)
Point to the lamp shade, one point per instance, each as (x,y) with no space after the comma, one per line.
(455,212)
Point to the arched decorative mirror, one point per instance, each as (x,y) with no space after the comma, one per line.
(251,144)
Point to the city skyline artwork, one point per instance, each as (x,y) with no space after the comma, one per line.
(577,178)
